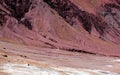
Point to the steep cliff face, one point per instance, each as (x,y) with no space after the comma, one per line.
(72,25)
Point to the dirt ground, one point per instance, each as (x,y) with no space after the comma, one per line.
(18,59)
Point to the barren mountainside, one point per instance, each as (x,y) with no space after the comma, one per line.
(88,26)
(59,37)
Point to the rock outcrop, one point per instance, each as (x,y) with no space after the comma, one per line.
(63,24)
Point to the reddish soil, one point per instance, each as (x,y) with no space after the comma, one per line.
(76,28)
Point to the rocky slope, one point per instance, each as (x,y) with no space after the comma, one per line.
(64,34)
(60,24)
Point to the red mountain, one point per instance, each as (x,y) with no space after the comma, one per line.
(89,26)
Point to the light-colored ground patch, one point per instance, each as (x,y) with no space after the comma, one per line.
(25,69)
(118,61)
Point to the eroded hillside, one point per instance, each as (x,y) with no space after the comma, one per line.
(59,37)
(61,24)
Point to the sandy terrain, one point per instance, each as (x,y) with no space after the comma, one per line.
(18,59)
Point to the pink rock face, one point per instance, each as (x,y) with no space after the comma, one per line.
(62,24)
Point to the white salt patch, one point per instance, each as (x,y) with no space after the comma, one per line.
(24,69)
(101,72)
(109,65)
(72,71)
(116,60)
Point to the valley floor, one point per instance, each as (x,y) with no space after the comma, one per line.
(18,59)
